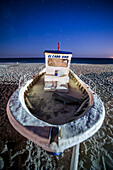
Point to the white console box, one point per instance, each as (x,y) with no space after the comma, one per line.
(61,70)
(57,70)
(63,80)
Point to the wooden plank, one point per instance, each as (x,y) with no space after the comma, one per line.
(66,98)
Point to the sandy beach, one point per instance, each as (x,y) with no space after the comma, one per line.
(16,152)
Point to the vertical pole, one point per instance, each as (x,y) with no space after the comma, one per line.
(75,157)
(58,46)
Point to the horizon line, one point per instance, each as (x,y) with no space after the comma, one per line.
(90,57)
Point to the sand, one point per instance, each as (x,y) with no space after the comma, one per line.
(16,152)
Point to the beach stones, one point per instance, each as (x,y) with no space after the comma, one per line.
(92,149)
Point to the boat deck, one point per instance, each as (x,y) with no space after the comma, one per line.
(44,106)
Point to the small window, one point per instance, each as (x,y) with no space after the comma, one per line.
(57,62)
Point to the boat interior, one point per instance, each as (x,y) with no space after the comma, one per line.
(56,107)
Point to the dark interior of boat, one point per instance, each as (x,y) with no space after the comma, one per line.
(56,107)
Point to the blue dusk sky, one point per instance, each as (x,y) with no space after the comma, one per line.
(83,27)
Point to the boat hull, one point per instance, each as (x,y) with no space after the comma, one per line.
(71,133)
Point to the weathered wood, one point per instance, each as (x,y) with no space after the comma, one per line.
(82,109)
(29,103)
(66,98)
(82,105)
(53,136)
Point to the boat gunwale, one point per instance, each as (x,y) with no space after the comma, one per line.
(24,131)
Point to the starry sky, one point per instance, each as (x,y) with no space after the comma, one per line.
(83,27)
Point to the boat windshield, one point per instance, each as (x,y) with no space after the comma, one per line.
(54,62)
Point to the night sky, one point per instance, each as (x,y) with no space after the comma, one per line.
(84,27)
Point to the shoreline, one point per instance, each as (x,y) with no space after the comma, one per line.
(17,63)
(74,60)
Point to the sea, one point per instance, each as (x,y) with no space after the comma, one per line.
(73,60)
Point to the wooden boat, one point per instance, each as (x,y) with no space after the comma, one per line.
(56,119)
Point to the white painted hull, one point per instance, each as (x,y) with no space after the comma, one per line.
(71,133)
